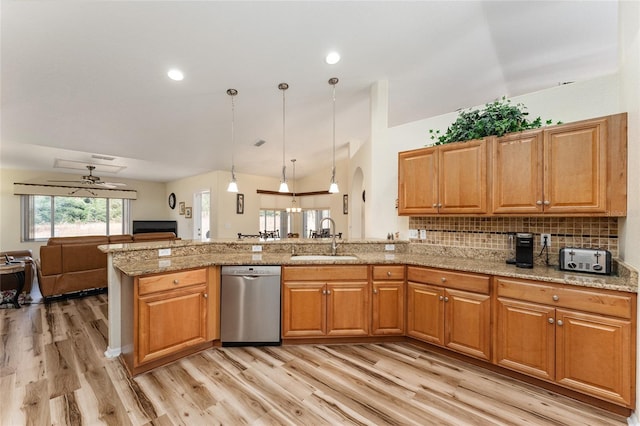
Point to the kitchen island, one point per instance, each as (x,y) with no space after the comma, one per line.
(499,302)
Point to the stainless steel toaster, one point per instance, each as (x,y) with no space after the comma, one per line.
(595,261)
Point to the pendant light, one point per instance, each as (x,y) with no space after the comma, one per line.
(283,183)
(294,208)
(333,187)
(233,185)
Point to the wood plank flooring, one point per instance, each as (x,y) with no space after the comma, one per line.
(53,372)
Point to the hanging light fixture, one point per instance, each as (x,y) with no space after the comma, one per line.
(294,208)
(283,183)
(233,185)
(333,187)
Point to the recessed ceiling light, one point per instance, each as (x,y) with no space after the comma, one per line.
(176,75)
(333,58)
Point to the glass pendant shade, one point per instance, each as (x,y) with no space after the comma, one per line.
(283,182)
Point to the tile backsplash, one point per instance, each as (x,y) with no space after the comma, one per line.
(493,232)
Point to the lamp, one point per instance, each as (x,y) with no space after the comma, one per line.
(333,187)
(294,208)
(233,185)
(283,183)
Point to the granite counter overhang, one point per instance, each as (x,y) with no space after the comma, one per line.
(625,282)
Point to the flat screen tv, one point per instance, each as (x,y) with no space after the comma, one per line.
(145,226)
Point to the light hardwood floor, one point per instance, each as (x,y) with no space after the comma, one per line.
(53,371)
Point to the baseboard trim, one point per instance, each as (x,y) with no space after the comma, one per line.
(112,352)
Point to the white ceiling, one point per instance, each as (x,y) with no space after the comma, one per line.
(89,78)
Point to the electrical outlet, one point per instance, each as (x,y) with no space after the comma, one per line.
(542,240)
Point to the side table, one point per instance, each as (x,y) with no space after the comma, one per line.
(16,269)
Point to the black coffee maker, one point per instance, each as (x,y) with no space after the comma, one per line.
(524,250)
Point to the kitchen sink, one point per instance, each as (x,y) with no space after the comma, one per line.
(321,257)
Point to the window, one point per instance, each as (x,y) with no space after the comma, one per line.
(276,221)
(311,221)
(48,216)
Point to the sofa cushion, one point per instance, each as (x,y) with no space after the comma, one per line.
(82,257)
(119,239)
(91,239)
(154,236)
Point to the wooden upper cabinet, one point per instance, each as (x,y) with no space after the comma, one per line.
(448,178)
(517,173)
(571,169)
(418,181)
(462,172)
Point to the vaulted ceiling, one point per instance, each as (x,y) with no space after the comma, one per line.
(87,79)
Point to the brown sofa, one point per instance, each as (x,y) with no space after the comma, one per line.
(74,264)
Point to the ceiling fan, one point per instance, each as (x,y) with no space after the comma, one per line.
(92,180)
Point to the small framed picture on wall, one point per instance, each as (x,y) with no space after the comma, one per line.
(187,212)
(345,204)
(181,207)
(240,204)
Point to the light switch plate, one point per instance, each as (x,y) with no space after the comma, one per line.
(256,248)
(413,233)
(389,247)
(164,263)
(164,252)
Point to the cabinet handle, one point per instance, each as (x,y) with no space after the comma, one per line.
(446,299)
(551,320)
(388,273)
(176,282)
(560,323)
(547,202)
(375,291)
(556,297)
(440,298)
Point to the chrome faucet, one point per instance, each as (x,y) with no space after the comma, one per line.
(332,230)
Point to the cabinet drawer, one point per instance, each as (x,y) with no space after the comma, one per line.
(322,273)
(590,300)
(155,283)
(391,272)
(458,280)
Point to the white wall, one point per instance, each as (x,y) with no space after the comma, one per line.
(150,205)
(630,100)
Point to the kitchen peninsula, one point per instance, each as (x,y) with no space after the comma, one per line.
(428,280)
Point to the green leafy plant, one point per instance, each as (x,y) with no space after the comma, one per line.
(496,119)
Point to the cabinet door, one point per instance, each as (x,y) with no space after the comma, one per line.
(171,321)
(387,308)
(467,323)
(575,165)
(525,338)
(517,173)
(593,355)
(425,312)
(348,309)
(417,182)
(303,309)
(462,176)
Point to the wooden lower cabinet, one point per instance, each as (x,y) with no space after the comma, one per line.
(454,316)
(388,300)
(589,352)
(169,315)
(325,301)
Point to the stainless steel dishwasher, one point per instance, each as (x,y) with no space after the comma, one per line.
(250,305)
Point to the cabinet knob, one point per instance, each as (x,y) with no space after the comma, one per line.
(324,291)
(176,282)
(551,320)
(443,279)
(205,295)
(555,297)
(375,291)
(560,323)
(388,273)
(539,202)
(446,299)
(435,205)
(439,205)
(547,202)
(440,298)
(328,291)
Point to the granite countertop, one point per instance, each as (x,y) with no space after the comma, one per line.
(627,282)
